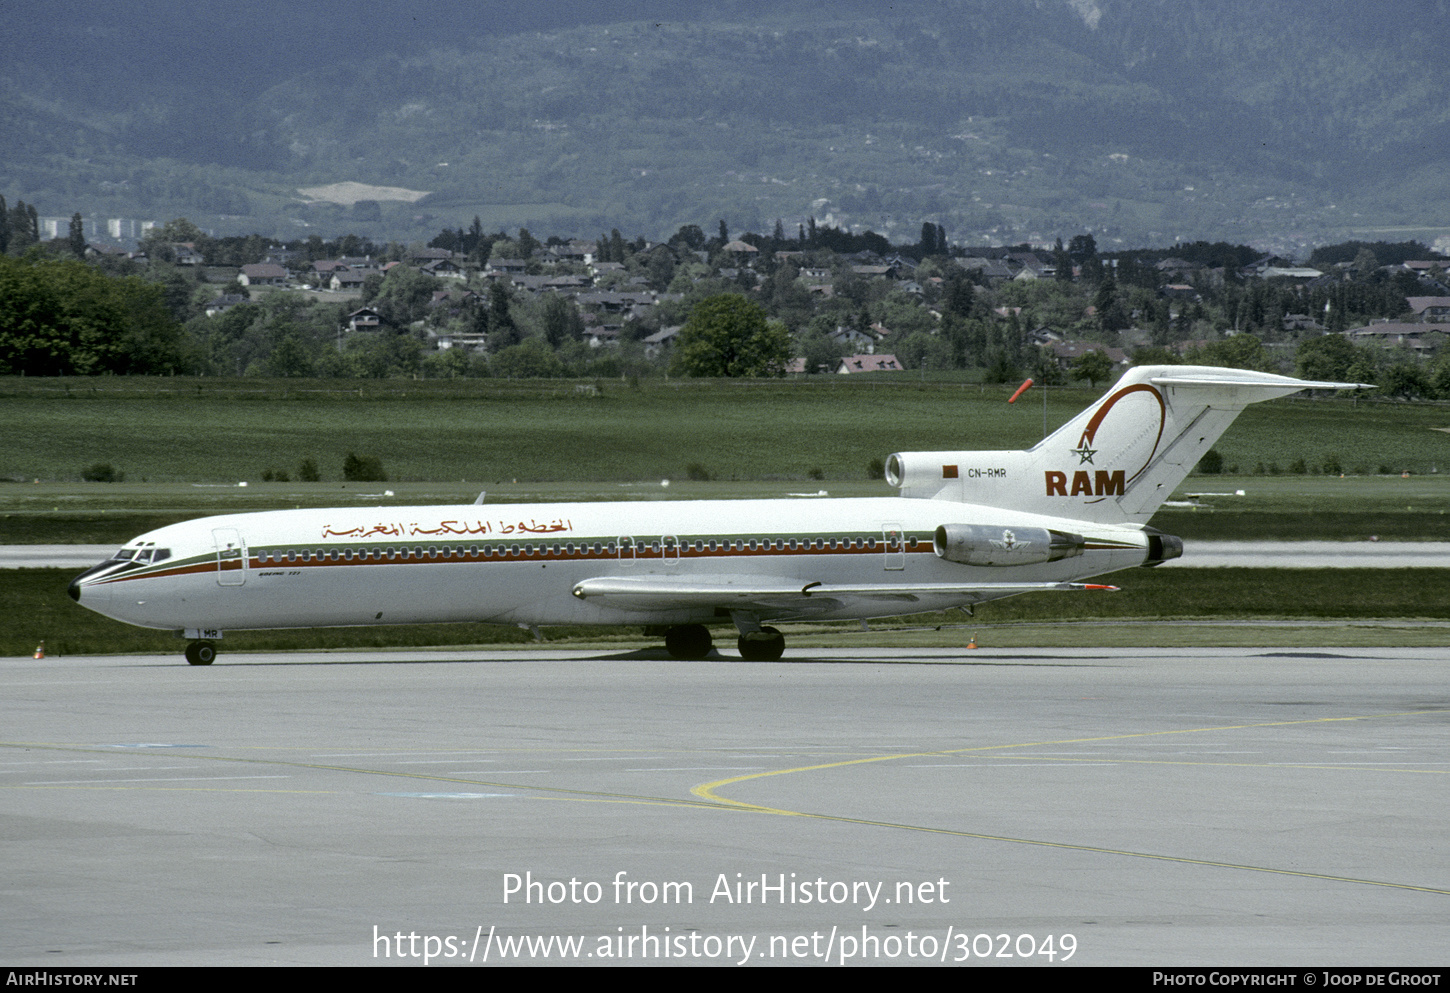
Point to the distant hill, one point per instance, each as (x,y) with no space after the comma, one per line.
(1142,121)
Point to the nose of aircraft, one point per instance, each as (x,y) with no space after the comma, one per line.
(94,596)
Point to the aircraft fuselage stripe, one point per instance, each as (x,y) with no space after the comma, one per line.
(413,553)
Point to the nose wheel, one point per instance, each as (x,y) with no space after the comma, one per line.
(201,653)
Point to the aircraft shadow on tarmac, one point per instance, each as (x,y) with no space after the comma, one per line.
(643,655)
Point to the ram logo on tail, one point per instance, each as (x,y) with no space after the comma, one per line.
(1102,483)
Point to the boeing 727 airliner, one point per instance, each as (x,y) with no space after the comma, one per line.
(966,527)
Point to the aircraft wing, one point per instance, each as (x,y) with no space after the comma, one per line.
(774,595)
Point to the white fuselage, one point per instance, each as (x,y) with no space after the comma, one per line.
(521,564)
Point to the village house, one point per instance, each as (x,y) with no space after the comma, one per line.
(262,274)
(365,319)
(867,363)
(661,341)
(1421,339)
(346,279)
(1066,353)
(224,303)
(444,269)
(854,338)
(1430,309)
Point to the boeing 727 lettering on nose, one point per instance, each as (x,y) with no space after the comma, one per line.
(966,527)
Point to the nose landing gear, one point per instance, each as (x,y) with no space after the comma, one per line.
(201,653)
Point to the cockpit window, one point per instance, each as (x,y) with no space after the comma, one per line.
(142,556)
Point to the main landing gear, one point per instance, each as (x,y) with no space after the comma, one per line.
(756,643)
(691,642)
(764,645)
(201,653)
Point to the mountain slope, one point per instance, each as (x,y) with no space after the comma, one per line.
(1141,120)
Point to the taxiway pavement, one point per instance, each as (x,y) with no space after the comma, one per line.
(1225,806)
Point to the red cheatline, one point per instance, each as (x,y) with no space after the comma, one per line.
(1020,390)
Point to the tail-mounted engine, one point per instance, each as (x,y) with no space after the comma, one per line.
(1162,547)
(981,544)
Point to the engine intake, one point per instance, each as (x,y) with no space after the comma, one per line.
(981,544)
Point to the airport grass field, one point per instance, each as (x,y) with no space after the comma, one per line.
(489,431)
(184,446)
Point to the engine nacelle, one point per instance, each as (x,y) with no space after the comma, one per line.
(941,475)
(982,544)
(1162,547)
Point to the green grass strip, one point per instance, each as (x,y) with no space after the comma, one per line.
(1335,600)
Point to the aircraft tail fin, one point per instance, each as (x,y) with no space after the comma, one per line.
(1114,463)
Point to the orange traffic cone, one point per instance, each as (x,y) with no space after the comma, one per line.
(973,642)
(40,650)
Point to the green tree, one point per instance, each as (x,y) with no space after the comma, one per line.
(1082,247)
(290,357)
(1062,262)
(23,228)
(404,294)
(821,352)
(1328,357)
(502,331)
(1155,355)
(156,243)
(1093,366)
(1405,379)
(530,359)
(77,236)
(957,298)
(561,322)
(728,335)
(363,469)
(65,318)
(1242,351)
(690,236)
